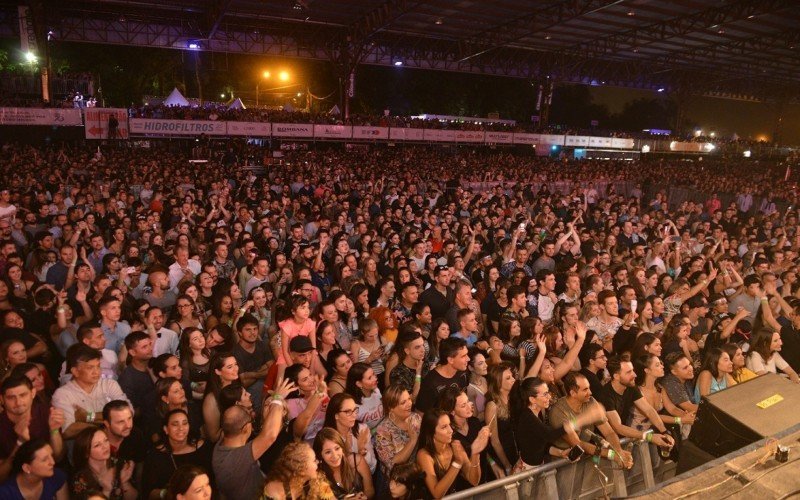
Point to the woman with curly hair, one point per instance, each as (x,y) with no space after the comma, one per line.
(295,476)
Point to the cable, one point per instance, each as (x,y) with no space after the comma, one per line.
(769,447)
(755,479)
(784,497)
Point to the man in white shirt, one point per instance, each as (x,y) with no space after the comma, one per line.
(92,335)
(183,269)
(82,399)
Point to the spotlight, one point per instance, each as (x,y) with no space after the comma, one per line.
(439,21)
(398,63)
(193,45)
(30,57)
(747,154)
(661,89)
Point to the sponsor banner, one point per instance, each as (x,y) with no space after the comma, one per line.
(292,130)
(551,139)
(96,122)
(690,147)
(405,134)
(41,116)
(576,140)
(469,136)
(370,132)
(520,138)
(250,129)
(619,143)
(439,135)
(600,142)
(152,126)
(500,137)
(333,131)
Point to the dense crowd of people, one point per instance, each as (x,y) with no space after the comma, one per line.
(377,323)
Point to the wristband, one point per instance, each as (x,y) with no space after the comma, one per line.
(678,420)
(455,465)
(491,461)
(90,416)
(764,300)
(61,309)
(611,454)
(54,431)
(574,423)
(276,402)
(277,397)
(418,378)
(649,437)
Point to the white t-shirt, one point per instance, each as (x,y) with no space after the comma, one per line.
(756,364)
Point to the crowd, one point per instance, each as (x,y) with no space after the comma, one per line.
(364,324)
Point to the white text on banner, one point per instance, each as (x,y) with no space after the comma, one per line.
(293,130)
(577,140)
(151,126)
(360,132)
(436,135)
(333,131)
(619,143)
(500,137)
(40,116)
(250,129)
(601,142)
(96,122)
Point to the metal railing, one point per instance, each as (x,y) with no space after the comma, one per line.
(561,479)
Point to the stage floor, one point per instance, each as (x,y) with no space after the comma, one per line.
(718,480)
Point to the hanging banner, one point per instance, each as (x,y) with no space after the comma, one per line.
(499,137)
(333,131)
(293,130)
(27,35)
(469,136)
(97,121)
(151,126)
(250,129)
(41,116)
(405,134)
(372,133)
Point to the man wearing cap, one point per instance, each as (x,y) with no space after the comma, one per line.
(300,352)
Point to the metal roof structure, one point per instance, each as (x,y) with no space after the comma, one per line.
(747,49)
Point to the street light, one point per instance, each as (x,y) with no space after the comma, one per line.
(265,76)
(30,57)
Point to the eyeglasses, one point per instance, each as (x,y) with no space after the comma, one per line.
(184,305)
(350,412)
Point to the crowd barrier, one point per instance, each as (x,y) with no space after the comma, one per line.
(563,480)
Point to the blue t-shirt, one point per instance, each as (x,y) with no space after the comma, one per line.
(10,491)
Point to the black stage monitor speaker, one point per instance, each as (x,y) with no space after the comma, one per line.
(740,415)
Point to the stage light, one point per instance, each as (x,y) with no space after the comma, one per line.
(712,134)
(747,154)
(30,57)
(193,45)
(299,94)
(709,147)
(698,132)
(283,76)
(222,96)
(661,89)
(554,147)
(266,74)
(645,148)
(398,63)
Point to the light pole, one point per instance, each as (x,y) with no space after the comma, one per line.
(264,76)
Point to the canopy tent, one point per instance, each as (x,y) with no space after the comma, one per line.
(237,104)
(176,99)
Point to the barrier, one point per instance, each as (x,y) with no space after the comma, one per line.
(562,479)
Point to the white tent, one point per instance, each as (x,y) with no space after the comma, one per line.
(176,99)
(237,104)
(335,110)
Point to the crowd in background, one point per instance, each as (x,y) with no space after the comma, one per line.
(375,323)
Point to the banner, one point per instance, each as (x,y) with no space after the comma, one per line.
(469,136)
(600,142)
(250,129)
(576,140)
(333,131)
(618,143)
(690,147)
(27,35)
(435,135)
(500,137)
(41,116)
(292,130)
(370,132)
(551,139)
(152,126)
(96,122)
(405,134)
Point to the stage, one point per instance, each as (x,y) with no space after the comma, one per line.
(739,475)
